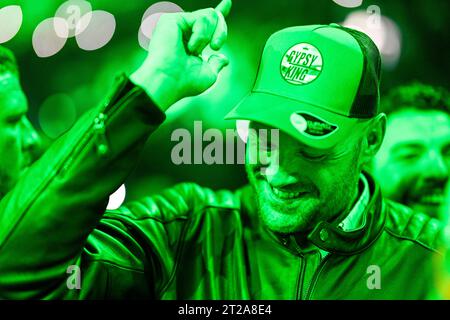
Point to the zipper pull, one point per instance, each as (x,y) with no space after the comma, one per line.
(100,135)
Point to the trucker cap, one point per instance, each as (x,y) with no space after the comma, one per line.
(315,83)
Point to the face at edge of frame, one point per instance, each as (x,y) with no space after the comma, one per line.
(18,138)
(413,164)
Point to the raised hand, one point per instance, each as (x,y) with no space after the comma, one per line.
(174,67)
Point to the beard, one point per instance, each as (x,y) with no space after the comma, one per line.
(313,204)
(6,184)
(426,197)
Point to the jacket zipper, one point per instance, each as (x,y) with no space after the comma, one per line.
(301,276)
(316,274)
(101,142)
(97,130)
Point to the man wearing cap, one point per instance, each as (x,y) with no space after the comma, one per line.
(311,224)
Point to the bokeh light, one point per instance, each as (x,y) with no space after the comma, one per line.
(50,36)
(117,198)
(149,24)
(151,18)
(57,115)
(99,30)
(72,11)
(382,30)
(348,3)
(74,18)
(10,22)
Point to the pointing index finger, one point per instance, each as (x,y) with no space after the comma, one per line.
(224,7)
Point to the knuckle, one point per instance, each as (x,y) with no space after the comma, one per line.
(206,21)
(212,12)
(211,16)
(219,15)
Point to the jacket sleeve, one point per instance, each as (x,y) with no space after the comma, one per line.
(134,252)
(46,219)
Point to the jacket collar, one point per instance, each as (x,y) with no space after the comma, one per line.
(355,219)
(331,238)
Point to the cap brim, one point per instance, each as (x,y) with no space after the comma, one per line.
(276,111)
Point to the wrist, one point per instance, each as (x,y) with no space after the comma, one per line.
(157,84)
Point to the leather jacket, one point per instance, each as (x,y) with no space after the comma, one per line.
(188,242)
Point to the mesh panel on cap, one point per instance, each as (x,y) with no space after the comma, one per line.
(367,100)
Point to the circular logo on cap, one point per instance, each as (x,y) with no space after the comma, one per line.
(301,64)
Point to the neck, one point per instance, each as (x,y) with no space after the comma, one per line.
(357,190)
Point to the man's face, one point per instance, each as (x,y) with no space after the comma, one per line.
(413,164)
(17,136)
(301,185)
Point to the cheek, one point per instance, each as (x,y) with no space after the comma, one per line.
(400,173)
(389,173)
(11,146)
(398,179)
(336,180)
(326,179)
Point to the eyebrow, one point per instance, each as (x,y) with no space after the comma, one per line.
(12,113)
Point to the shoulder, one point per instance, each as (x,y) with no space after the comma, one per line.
(160,219)
(404,223)
(179,202)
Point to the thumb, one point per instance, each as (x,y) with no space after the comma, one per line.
(217,62)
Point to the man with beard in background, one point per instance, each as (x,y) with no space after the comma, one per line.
(413,164)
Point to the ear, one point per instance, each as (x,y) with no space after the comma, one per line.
(373,138)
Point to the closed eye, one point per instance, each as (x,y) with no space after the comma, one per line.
(312,157)
(14,119)
(408,154)
(408,151)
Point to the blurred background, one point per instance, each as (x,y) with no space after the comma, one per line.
(62,85)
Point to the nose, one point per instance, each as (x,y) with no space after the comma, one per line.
(31,140)
(279,178)
(277,172)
